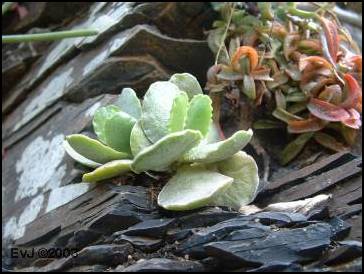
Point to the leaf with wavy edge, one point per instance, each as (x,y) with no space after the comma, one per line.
(210,153)
(108,170)
(129,102)
(160,155)
(327,111)
(157,106)
(117,131)
(243,168)
(199,115)
(192,187)
(93,149)
(178,112)
(78,157)
(187,83)
(138,140)
(100,117)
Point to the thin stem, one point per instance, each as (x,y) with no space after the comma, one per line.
(49,36)
(6,7)
(225,33)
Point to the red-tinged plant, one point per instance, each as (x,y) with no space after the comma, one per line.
(302,61)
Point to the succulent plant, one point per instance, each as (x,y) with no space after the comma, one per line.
(304,63)
(170,131)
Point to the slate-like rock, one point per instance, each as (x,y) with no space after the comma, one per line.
(165,265)
(287,246)
(151,228)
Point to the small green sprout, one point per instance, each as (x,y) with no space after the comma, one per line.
(170,131)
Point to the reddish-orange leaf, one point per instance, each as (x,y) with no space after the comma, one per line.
(354,121)
(332,37)
(354,92)
(248,51)
(308,125)
(314,60)
(327,111)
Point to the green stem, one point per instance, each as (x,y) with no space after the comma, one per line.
(6,7)
(49,36)
(301,13)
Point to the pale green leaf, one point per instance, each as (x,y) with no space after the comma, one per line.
(209,153)
(192,187)
(108,170)
(169,149)
(93,149)
(199,115)
(138,140)
(243,169)
(187,83)
(129,103)
(249,87)
(157,106)
(78,157)
(100,116)
(117,131)
(178,112)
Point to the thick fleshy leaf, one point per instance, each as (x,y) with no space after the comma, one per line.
(129,103)
(192,187)
(293,72)
(331,37)
(295,147)
(349,134)
(285,116)
(329,142)
(280,99)
(93,149)
(117,131)
(100,117)
(297,107)
(354,92)
(288,46)
(229,75)
(210,153)
(262,74)
(296,97)
(249,87)
(331,94)
(304,62)
(354,121)
(279,78)
(199,115)
(308,125)
(178,112)
(138,140)
(243,169)
(187,83)
(157,106)
(245,51)
(78,157)
(267,124)
(310,46)
(108,170)
(169,149)
(327,111)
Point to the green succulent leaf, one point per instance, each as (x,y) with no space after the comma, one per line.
(178,112)
(192,187)
(108,170)
(159,156)
(243,169)
(93,149)
(78,157)
(117,131)
(210,153)
(187,83)
(157,106)
(129,103)
(100,117)
(138,140)
(295,147)
(249,87)
(199,115)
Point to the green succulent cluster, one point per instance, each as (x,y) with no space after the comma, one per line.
(170,131)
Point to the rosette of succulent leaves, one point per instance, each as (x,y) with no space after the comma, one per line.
(170,131)
(301,66)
